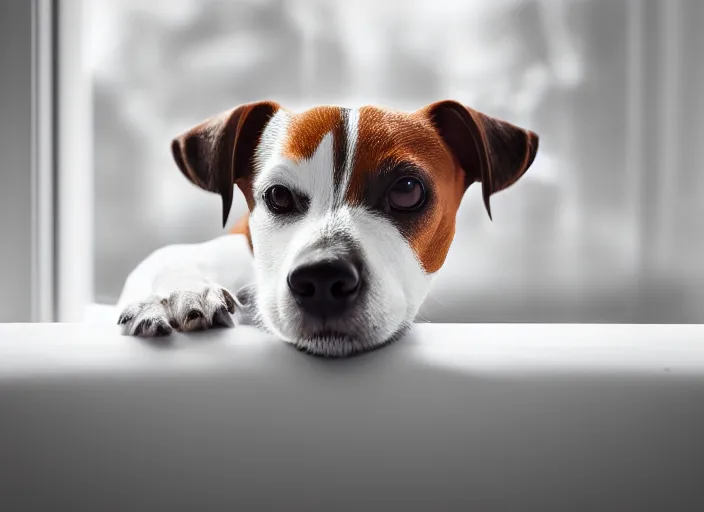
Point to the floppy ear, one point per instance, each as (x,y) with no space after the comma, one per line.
(489,150)
(218,153)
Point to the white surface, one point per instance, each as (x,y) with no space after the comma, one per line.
(511,349)
(453,417)
(100,314)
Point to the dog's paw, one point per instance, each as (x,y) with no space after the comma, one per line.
(184,311)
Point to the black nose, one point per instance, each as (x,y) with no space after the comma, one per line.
(325,288)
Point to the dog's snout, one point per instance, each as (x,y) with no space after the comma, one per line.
(325,288)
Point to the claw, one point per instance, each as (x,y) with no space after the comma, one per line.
(222,317)
(124,318)
(163,329)
(143,326)
(229,301)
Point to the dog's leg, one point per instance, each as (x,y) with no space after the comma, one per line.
(186,287)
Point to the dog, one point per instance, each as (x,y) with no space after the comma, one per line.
(351,214)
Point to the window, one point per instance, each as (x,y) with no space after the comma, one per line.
(603,228)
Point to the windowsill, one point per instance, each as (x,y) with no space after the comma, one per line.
(652,351)
(479,417)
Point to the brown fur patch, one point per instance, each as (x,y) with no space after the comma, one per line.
(307,130)
(241,227)
(388,135)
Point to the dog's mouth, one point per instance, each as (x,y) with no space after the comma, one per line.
(337,344)
(329,338)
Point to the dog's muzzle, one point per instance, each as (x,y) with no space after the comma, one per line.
(326,286)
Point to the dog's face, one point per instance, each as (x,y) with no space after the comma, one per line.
(352,211)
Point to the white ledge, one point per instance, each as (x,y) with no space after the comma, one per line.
(452,417)
(473,349)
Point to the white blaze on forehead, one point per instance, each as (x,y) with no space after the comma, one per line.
(351,132)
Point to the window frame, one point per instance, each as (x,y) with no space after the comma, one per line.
(62,174)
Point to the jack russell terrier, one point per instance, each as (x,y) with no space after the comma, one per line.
(351,214)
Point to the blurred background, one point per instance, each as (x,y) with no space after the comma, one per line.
(605,227)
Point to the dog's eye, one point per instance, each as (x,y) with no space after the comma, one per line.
(407,194)
(280,199)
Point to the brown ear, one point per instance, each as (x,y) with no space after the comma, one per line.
(490,151)
(217,153)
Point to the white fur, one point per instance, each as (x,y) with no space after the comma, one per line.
(177,279)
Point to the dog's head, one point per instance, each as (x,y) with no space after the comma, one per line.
(352,211)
